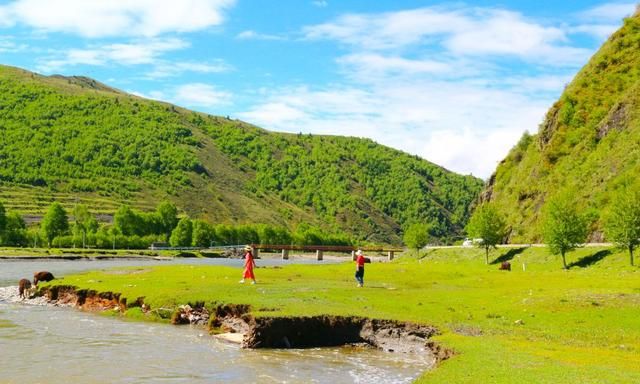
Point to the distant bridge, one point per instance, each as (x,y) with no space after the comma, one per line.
(320,249)
(285,248)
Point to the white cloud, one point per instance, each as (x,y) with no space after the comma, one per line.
(202,95)
(537,83)
(6,19)
(599,31)
(388,30)
(470,32)
(612,12)
(7,45)
(189,95)
(320,3)
(140,52)
(374,63)
(100,18)
(467,150)
(153,95)
(508,33)
(276,114)
(170,69)
(253,35)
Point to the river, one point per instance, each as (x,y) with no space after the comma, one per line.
(44,344)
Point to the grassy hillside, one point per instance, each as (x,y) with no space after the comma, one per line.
(588,142)
(538,324)
(74,140)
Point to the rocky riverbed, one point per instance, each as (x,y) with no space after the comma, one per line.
(11,295)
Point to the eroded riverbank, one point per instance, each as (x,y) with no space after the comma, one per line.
(44,343)
(61,345)
(271,332)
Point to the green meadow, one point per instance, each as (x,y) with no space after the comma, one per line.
(535,324)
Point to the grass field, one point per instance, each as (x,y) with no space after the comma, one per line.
(537,324)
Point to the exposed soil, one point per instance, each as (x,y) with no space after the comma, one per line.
(273,332)
(88,300)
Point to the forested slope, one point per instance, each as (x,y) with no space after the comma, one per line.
(588,144)
(76,140)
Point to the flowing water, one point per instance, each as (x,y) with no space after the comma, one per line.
(44,344)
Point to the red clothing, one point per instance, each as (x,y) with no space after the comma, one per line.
(360,261)
(248,266)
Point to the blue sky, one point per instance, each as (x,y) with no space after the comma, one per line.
(456,83)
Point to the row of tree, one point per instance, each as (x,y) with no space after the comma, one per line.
(565,226)
(136,229)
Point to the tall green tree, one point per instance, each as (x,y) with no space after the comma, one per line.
(126,221)
(622,225)
(84,222)
(55,222)
(417,236)
(182,234)
(564,227)
(226,234)
(487,224)
(247,234)
(203,234)
(168,217)
(15,233)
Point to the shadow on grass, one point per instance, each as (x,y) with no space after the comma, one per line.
(590,259)
(510,254)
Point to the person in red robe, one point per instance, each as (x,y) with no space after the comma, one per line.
(360,260)
(249,264)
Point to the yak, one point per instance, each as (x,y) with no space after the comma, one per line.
(42,276)
(24,288)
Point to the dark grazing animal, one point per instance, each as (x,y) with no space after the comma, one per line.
(42,276)
(24,286)
(505,266)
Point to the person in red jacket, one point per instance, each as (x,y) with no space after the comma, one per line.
(249,264)
(360,260)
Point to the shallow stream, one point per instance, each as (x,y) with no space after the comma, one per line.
(44,344)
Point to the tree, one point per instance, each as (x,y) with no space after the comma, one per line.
(84,222)
(417,236)
(622,226)
(15,233)
(247,234)
(565,228)
(182,234)
(203,234)
(487,224)
(126,221)
(168,217)
(226,234)
(54,222)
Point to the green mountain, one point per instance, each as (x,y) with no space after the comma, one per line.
(74,140)
(588,143)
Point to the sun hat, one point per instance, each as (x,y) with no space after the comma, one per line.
(247,248)
(359,252)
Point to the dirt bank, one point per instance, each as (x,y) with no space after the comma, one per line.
(270,332)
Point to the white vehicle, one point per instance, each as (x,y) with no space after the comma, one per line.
(471,242)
